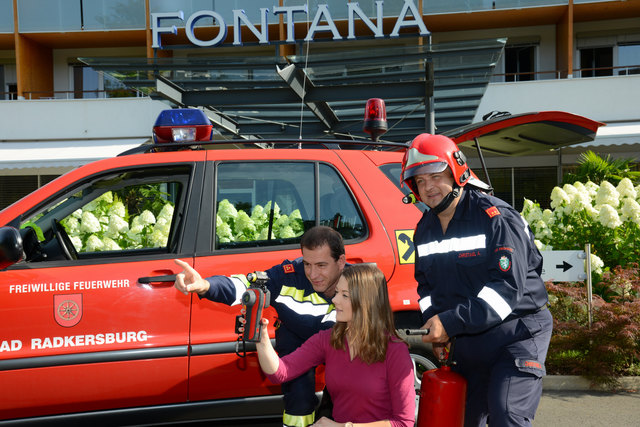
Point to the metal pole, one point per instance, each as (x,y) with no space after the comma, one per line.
(484,165)
(429,105)
(587,249)
(559,174)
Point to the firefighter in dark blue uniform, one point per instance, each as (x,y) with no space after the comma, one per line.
(479,281)
(301,292)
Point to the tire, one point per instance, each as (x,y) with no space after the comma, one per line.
(421,364)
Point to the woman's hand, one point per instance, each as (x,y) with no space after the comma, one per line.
(264,333)
(267,356)
(326,422)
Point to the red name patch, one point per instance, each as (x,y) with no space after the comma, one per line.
(492,211)
(532,364)
(468,254)
(504,248)
(288,268)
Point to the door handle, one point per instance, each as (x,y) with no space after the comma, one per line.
(154,279)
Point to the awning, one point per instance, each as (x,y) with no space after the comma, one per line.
(322,95)
(615,134)
(42,154)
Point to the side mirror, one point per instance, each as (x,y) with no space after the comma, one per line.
(11,249)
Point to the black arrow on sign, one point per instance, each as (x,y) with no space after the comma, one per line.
(564,266)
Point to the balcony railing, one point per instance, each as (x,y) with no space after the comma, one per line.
(76,94)
(621,70)
(495,78)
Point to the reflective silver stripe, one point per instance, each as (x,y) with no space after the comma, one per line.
(305,307)
(526,226)
(240,286)
(495,301)
(424,303)
(330,317)
(452,245)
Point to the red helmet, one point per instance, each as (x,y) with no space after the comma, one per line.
(432,154)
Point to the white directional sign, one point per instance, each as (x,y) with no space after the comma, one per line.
(563,266)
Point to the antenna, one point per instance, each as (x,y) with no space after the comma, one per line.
(304,80)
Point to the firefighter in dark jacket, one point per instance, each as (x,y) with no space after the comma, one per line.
(301,292)
(479,282)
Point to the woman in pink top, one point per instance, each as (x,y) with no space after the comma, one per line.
(368,372)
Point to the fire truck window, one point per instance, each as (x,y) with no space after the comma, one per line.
(263,203)
(337,207)
(267,204)
(130,211)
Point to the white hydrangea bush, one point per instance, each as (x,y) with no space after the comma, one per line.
(104,224)
(236,225)
(605,215)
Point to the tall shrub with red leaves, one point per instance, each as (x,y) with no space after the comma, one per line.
(610,348)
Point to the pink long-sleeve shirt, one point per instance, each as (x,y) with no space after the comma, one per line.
(360,392)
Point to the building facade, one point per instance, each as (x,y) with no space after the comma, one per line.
(57,112)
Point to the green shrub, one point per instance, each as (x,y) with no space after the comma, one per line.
(610,348)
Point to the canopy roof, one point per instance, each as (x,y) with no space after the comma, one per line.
(321,95)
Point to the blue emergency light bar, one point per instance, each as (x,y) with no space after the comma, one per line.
(182,125)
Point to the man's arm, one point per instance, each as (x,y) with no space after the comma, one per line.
(223,289)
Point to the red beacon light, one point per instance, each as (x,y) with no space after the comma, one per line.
(375,118)
(182,125)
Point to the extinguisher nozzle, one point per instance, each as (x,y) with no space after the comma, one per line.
(417,331)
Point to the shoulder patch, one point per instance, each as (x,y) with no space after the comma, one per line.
(504,263)
(288,268)
(492,211)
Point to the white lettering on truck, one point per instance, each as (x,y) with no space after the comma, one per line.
(69,286)
(88,340)
(13,345)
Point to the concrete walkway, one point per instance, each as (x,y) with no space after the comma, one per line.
(588,409)
(568,401)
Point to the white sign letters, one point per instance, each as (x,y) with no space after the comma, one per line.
(322,22)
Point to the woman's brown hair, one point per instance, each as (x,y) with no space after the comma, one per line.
(372,321)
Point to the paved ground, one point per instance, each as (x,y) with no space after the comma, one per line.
(566,402)
(588,409)
(573,409)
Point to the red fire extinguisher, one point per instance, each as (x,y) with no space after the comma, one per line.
(442,397)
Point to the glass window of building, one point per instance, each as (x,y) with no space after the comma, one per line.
(513,185)
(519,63)
(501,181)
(6,16)
(49,15)
(629,57)
(596,61)
(8,79)
(113,15)
(77,15)
(15,187)
(88,83)
(224,8)
(534,184)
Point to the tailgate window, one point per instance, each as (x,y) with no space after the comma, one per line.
(274,203)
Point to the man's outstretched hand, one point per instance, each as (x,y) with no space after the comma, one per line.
(189,280)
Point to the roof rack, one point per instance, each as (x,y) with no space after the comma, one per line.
(333,144)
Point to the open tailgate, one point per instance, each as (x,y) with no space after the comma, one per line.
(520,134)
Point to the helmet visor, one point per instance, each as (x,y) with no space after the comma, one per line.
(433,167)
